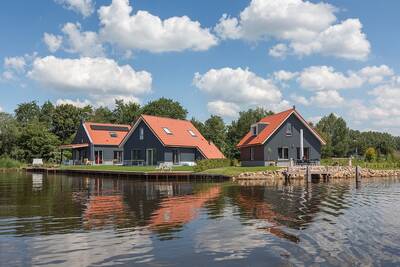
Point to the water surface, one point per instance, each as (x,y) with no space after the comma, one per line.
(87,221)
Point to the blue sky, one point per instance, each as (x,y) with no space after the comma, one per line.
(323,57)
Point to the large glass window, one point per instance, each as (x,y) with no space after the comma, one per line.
(118,156)
(283,153)
(136,154)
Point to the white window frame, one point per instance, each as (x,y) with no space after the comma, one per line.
(192,133)
(167,130)
(283,153)
(289,129)
(141,133)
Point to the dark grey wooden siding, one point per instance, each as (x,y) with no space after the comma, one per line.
(82,138)
(150,141)
(280,139)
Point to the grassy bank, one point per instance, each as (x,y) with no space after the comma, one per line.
(7,163)
(375,165)
(228,171)
(126,168)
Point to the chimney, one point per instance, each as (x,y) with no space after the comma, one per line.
(294,107)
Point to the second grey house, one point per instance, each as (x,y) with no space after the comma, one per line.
(279,139)
(153,140)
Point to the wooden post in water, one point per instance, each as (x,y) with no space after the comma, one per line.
(308,174)
(358,174)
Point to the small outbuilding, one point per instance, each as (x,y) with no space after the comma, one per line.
(280,139)
(98,143)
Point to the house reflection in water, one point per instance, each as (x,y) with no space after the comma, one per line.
(105,205)
(174,212)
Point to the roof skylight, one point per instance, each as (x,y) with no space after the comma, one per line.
(113,134)
(192,133)
(167,131)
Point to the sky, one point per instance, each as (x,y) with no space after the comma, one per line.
(214,57)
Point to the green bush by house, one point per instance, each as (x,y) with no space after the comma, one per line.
(206,164)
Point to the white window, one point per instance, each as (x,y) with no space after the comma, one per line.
(167,131)
(289,129)
(254,129)
(192,133)
(141,133)
(251,153)
(283,153)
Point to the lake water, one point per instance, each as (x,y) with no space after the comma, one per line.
(86,221)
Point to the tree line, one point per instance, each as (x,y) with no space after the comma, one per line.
(37,131)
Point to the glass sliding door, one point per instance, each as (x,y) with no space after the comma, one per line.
(150,157)
(98,157)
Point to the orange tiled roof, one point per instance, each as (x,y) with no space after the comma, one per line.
(101,136)
(273,123)
(180,136)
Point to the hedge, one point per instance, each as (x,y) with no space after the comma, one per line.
(207,164)
(6,163)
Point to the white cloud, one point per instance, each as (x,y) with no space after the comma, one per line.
(84,7)
(231,90)
(237,85)
(327,99)
(77,102)
(307,27)
(317,78)
(1,109)
(52,41)
(223,109)
(279,50)
(144,31)
(344,40)
(86,44)
(376,74)
(99,77)
(283,75)
(15,63)
(314,119)
(8,76)
(300,100)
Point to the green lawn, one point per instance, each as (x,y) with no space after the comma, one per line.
(234,171)
(228,171)
(125,168)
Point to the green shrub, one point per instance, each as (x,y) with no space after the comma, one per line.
(370,154)
(206,164)
(8,163)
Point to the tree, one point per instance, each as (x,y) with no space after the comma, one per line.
(198,125)
(215,131)
(27,112)
(9,134)
(102,114)
(164,107)
(370,154)
(334,130)
(66,120)
(46,114)
(125,113)
(37,141)
(238,129)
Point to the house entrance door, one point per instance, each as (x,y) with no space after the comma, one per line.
(98,157)
(149,157)
(175,156)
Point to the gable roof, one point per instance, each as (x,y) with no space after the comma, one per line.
(273,123)
(100,133)
(179,136)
